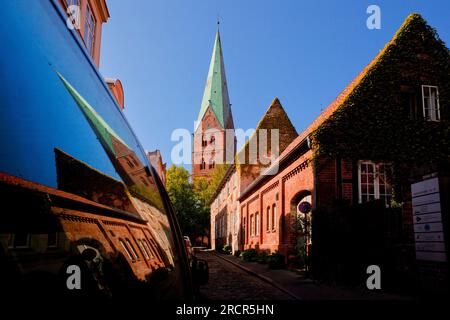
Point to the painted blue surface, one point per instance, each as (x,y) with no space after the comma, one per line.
(37,112)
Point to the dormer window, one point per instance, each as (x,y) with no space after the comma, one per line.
(430,103)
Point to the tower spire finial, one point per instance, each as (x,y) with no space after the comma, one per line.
(218,22)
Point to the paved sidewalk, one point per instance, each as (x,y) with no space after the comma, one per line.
(306,289)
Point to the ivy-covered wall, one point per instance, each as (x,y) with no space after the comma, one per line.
(381,117)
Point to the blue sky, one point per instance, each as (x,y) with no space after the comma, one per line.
(304,52)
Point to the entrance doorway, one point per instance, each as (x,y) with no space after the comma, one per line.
(301,206)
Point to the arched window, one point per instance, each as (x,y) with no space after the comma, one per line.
(213,140)
(274,217)
(130,164)
(203,165)
(136,257)
(127,250)
(257,227)
(268,219)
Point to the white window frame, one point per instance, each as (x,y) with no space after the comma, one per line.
(435,113)
(90,25)
(376,179)
(136,257)
(141,245)
(268,217)
(127,250)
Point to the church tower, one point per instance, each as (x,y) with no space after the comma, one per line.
(214,139)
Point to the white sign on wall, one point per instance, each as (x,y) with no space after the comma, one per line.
(427,215)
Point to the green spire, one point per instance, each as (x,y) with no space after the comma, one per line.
(105,132)
(216,90)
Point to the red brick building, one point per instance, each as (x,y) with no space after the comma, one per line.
(156,160)
(341,199)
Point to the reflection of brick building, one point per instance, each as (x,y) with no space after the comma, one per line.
(386,130)
(212,144)
(156,161)
(115,85)
(89,210)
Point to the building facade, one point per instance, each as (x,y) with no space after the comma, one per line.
(226,220)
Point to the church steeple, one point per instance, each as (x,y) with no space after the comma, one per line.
(216,89)
(213,144)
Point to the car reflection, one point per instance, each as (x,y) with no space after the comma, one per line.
(116,231)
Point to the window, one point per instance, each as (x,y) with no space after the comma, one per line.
(132,250)
(141,245)
(212,164)
(252,226)
(147,247)
(20,240)
(213,140)
(52,240)
(373,182)
(127,250)
(257,223)
(72,3)
(73,11)
(203,165)
(274,217)
(430,100)
(204,142)
(268,219)
(130,164)
(89,30)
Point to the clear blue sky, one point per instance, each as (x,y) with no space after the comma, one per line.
(304,52)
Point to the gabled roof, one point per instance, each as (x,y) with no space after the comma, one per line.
(274,118)
(216,90)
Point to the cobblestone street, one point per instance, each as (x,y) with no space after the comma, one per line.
(228,282)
